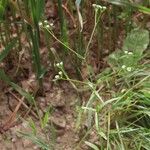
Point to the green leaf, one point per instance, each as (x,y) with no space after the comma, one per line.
(39,9)
(2,9)
(45,119)
(134,45)
(119,2)
(22,92)
(137,41)
(33,126)
(146,92)
(143,9)
(7,49)
(3,4)
(126,3)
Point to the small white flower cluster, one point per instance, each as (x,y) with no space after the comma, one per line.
(129,53)
(45,24)
(123,67)
(96,7)
(129,69)
(60,73)
(59,64)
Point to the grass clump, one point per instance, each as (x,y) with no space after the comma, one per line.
(121,120)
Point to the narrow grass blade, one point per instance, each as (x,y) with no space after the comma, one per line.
(39,9)
(25,94)
(38,141)
(129,4)
(120,137)
(7,49)
(91,145)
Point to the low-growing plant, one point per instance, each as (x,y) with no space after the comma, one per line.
(125,115)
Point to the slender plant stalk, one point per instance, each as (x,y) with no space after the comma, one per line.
(71,50)
(48,43)
(63,27)
(115,27)
(110,28)
(100,37)
(128,25)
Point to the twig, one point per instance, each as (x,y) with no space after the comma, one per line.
(18,99)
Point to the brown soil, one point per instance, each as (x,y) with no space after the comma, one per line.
(63,100)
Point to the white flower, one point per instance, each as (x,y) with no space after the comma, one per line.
(14,35)
(61,63)
(94,5)
(99,7)
(47,26)
(123,67)
(57,64)
(40,24)
(60,72)
(126,52)
(129,69)
(130,53)
(45,21)
(103,7)
(51,24)
(57,77)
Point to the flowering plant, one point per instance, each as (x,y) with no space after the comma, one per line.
(126,60)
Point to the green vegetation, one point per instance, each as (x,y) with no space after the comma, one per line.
(106,44)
